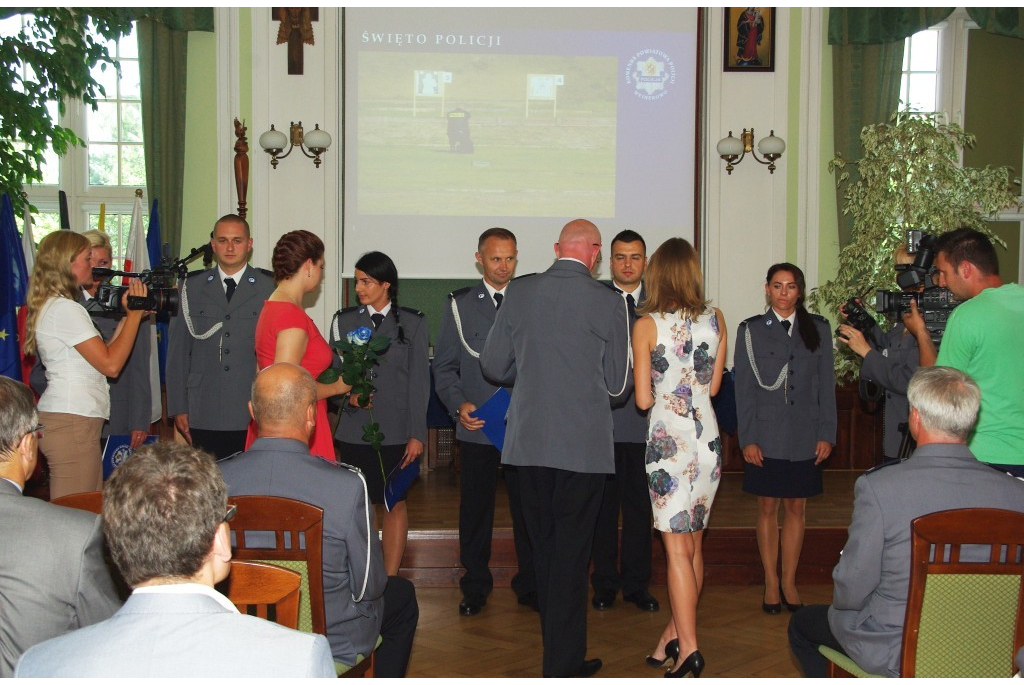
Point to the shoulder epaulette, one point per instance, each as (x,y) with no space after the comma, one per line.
(230,456)
(755,317)
(346,310)
(354,469)
(411,311)
(819,317)
(873,469)
(524,276)
(192,274)
(460,291)
(265,272)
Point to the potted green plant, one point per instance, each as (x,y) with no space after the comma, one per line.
(909,177)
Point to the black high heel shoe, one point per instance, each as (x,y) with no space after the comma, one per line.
(789,607)
(671,652)
(770,608)
(693,664)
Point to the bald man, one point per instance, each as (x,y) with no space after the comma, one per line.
(562,339)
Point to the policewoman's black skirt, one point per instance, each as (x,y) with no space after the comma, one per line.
(366,459)
(781,478)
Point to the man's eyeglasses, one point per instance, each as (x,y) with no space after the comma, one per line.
(230,513)
(38,430)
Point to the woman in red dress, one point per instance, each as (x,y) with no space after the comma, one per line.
(285,333)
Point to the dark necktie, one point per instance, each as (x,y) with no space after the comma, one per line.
(498,297)
(230,283)
(631,306)
(785,325)
(377,319)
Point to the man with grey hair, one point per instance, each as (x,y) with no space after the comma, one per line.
(865,620)
(52,575)
(165,518)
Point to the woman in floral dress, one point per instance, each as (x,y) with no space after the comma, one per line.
(679,355)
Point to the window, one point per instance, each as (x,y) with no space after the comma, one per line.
(109,167)
(919,85)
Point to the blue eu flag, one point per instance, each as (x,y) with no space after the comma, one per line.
(13,289)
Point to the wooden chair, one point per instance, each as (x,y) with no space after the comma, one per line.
(265,591)
(964,618)
(289,533)
(86,501)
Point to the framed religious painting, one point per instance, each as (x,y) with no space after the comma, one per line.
(749,39)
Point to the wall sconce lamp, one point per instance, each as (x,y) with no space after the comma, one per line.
(733,150)
(316,142)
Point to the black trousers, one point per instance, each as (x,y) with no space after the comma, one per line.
(629,571)
(560,508)
(221,444)
(397,629)
(807,629)
(478,478)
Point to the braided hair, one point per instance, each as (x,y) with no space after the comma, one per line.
(804,323)
(379,267)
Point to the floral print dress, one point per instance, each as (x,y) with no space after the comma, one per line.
(684,450)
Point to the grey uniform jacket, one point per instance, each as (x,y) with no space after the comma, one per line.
(52,575)
(457,374)
(402,378)
(210,379)
(180,636)
(630,424)
(284,468)
(561,338)
(785,423)
(130,393)
(891,366)
(871,578)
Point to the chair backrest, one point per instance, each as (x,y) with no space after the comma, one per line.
(288,533)
(86,501)
(965,607)
(264,590)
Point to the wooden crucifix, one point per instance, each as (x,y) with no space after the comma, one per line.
(296,28)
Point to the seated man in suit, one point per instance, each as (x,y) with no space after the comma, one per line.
(165,519)
(865,620)
(52,575)
(360,600)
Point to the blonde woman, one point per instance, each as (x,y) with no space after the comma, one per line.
(678,357)
(76,401)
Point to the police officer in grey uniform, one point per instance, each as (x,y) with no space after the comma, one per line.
(211,353)
(628,488)
(402,382)
(786,406)
(465,323)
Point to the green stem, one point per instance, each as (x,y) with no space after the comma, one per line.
(376,448)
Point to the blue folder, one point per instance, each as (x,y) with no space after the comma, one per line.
(494,412)
(117,450)
(399,481)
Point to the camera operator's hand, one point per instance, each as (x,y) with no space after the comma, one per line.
(854,338)
(914,322)
(136,288)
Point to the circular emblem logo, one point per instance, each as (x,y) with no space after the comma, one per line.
(650,72)
(120,455)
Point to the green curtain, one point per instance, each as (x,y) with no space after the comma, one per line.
(178,18)
(874,25)
(1002,21)
(163,60)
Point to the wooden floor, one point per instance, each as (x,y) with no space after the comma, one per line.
(736,638)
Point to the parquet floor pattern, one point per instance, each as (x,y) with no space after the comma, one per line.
(737,639)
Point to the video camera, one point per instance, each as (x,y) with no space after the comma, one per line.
(161,281)
(934,303)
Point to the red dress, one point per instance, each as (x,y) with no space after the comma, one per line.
(276,317)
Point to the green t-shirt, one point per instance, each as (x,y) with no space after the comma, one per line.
(985,339)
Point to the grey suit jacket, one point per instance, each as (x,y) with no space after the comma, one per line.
(284,468)
(180,636)
(457,374)
(562,339)
(402,378)
(52,575)
(891,366)
(210,379)
(786,423)
(630,424)
(871,578)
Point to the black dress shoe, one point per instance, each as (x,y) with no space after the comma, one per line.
(530,599)
(471,606)
(671,652)
(588,668)
(789,607)
(643,599)
(692,664)
(771,608)
(603,599)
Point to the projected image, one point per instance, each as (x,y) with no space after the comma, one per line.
(486,135)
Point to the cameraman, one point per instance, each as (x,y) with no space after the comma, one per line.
(890,359)
(983,338)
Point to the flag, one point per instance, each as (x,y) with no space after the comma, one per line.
(13,289)
(136,258)
(28,249)
(65,218)
(163,318)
